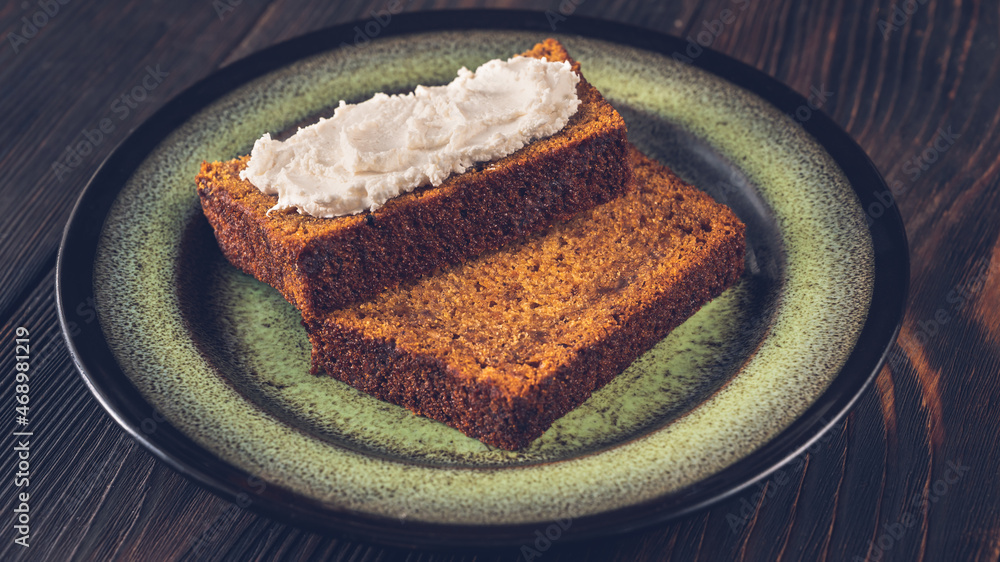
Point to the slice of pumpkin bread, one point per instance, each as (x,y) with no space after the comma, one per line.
(320,264)
(501,346)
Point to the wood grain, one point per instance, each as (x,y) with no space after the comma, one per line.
(914,467)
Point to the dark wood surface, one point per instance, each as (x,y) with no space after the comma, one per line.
(914,466)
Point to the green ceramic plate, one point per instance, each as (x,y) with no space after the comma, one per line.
(210,368)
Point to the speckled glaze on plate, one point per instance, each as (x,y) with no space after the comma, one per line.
(215,365)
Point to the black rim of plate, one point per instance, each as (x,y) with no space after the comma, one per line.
(117,394)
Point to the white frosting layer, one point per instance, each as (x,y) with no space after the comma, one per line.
(370,152)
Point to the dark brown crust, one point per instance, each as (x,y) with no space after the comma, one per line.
(511,414)
(323,264)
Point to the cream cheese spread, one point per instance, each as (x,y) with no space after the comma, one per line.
(370,152)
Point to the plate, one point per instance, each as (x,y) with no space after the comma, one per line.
(209,368)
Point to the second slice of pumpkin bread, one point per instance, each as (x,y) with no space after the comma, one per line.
(503,345)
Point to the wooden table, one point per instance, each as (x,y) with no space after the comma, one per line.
(911,474)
